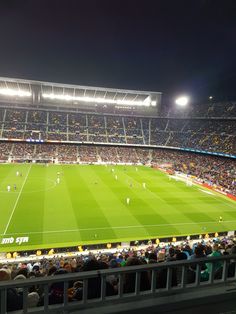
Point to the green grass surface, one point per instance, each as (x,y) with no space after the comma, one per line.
(89,206)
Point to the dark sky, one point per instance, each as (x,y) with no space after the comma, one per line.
(171,46)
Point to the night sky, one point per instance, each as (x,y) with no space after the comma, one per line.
(169,46)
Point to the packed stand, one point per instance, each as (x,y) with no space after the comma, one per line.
(176,130)
(158,254)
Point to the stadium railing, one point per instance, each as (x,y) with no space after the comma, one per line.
(103,299)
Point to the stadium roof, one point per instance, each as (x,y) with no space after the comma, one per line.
(73,93)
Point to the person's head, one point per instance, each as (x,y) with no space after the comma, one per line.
(152,256)
(91,264)
(132,261)
(216,247)
(199,251)
(181,256)
(113,263)
(36,268)
(67,266)
(5,274)
(161,257)
(171,251)
(52,270)
(23,271)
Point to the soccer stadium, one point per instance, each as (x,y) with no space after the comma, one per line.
(84,165)
(117,157)
(86,168)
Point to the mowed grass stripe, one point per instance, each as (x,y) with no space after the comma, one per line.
(114,207)
(90,211)
(59,211)
(157,187)
(17,199)
(9,200)
(140,206)
(182,197)
(28,215)
(152,196)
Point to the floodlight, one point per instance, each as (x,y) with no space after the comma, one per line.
(14,92)
(96,100)
(182,101)
(210,97)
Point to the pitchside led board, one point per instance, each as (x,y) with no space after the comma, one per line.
(81,98)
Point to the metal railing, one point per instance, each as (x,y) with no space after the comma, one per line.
(221,270)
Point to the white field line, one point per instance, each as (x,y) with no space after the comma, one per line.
(122,227)
(16,202)
(207,192)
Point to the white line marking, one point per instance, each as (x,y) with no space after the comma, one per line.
(123,227)
(207,192)
(18,197)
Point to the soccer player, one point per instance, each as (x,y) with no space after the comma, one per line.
(127,200)
(58,180)
(58,173)
(14,187)
(189,183)
(116,177)
(17,173)
(8,188)
(220,219)
(136,168)
(144,185)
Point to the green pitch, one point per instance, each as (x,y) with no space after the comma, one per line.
(89,205)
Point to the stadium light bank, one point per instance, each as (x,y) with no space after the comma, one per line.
(14,92)
(146,102)
(182,101)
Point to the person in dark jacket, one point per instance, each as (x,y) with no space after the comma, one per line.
(14,298)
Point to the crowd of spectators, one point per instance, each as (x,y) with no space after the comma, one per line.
(199,130)
(157,254)
(213,170)
(210,109)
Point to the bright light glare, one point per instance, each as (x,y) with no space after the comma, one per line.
(14,92)
(97,100)
(182,101)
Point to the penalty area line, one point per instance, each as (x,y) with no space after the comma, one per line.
(121,227)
